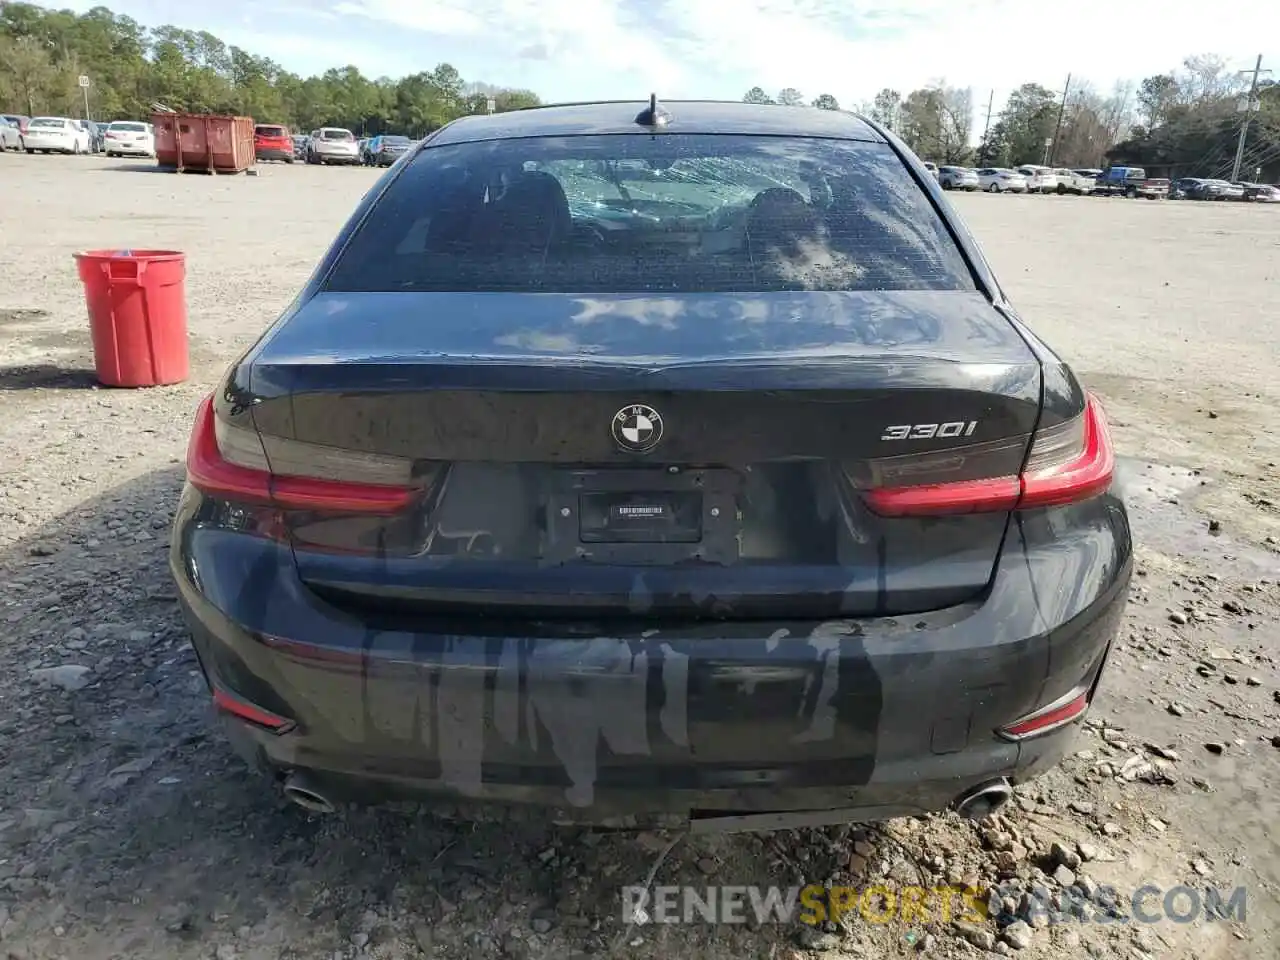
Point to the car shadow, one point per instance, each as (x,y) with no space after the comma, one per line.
(124,807)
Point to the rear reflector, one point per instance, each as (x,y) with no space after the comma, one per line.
(1057,714)
(1068,462)
(229,463)
(244,710)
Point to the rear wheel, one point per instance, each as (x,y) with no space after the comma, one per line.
(1061,190)
(995,187)
(1131,193)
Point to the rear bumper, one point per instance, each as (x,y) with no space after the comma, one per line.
(337,157)
(273,153)
(868,718)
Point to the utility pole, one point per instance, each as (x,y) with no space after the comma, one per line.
(986,128)
(1249,105)
(1057,130)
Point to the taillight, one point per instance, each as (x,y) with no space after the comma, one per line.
(233,463)
(1051,717)
(1068,462)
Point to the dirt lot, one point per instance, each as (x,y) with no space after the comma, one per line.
(128,830)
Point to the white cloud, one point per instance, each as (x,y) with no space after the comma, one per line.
(689,48)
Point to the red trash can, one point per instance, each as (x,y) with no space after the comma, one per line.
(137,315)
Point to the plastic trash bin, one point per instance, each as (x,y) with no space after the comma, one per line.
(137,315)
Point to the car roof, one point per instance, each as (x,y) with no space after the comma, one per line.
(685,116)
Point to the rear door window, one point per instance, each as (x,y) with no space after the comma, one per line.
(638,214)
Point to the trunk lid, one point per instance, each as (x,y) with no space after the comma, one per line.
(683,456)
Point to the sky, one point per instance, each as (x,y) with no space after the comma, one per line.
(718,49)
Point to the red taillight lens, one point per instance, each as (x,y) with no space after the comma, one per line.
(1057,714)
(1069,462)
(231,463)
(228,702)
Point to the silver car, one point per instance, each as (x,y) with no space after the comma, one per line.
(1001,180)
(958,178)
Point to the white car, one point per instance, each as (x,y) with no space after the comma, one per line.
(333,145)
(1039,179)
(55,135)
(10,135)
(1001,180)
(130,138)
(1074,181)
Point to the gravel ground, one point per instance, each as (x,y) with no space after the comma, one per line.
(128,829)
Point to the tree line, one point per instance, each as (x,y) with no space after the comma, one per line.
(131,67)
(1184,123)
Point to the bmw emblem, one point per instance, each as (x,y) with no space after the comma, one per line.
(637,428)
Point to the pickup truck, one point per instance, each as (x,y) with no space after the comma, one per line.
(1130,182)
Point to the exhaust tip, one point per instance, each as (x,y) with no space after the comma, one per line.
(300,792)
(984,800)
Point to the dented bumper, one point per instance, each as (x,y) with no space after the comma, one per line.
(870,717)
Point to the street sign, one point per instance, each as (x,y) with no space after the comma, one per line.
(84,81)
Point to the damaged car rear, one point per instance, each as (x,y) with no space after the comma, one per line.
(678,463)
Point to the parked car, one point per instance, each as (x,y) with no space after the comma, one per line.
(272,142)
(1231,191)
(1131,182)
(480,557)
(1039,179)
(1074,181)
(1261,193)
(17,119)
(958,178)
(55,135)
(1001,180)
(10,135)
(300,142)
(131,138)
(333,145)
(384,150)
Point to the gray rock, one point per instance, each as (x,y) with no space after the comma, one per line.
(226,952)
(980,937)
(1018,935)
(1064,875)
(1178,617)
(1062,855)
(811,938)
(69,676)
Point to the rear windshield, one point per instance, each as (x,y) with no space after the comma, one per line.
(269,131)
(47,122)
(638,214)
(129,127)
(336,135)
(395,141)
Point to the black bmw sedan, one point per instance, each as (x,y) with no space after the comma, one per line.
(650,462)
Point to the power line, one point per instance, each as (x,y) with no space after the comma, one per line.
(1249,102)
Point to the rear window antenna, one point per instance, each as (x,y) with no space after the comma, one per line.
(653,115)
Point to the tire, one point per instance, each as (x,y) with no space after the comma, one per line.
(30,150)
(288,159)
(995,187)
(1062,191)
(1131,193)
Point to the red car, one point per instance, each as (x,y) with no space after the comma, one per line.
(272,142)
